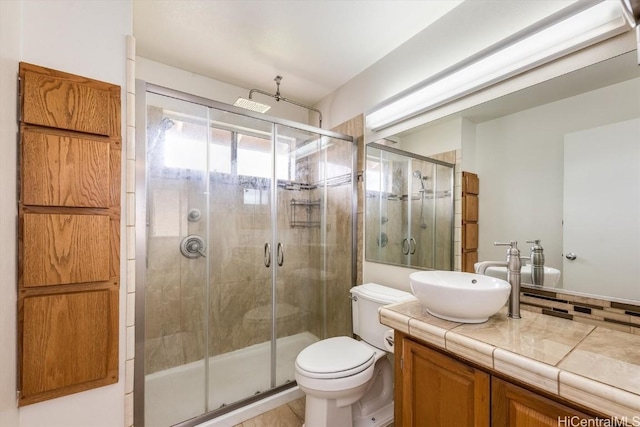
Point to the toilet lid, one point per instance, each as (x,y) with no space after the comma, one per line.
(336,357)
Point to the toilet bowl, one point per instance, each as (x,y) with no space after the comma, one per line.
(349,382)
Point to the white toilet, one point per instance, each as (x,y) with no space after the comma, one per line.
(349,382)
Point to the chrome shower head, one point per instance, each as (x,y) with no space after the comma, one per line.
(421,178)
(252,105)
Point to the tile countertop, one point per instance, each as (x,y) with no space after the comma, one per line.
(594,366)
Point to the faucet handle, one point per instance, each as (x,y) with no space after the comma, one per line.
(513,249)
(535,242)
(512,243)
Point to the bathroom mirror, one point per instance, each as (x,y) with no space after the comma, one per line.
(558,162)
(409,208)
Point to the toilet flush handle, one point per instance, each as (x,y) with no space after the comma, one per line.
(389,340)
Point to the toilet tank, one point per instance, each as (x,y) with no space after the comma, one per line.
(366,299)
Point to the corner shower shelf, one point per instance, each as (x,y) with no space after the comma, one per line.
(305,213)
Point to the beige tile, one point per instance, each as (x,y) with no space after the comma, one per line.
(427,332)
(423,325)
(601,323)
(543,338)
(471,349)
(282,416)
(616,355)
(298,407)
(586,300)
(527,370)
(394,320)
(600,397)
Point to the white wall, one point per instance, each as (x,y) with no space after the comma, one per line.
(195,84)
(519,159)
(10,19)
(79,37)
(444,137)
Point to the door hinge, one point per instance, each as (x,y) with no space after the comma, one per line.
(18,392)
(18,106)
(401,363)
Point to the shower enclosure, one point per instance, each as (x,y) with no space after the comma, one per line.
(409,209)
(246,257)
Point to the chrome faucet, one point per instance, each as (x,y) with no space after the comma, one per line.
(513,264)
(537,263)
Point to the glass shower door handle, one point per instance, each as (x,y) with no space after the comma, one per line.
(280,255)
(406,246)
(412,246)
(267,255)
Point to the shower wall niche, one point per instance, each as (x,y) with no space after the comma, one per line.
(272,203)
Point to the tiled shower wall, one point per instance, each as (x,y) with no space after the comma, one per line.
(396,211)
(312,287)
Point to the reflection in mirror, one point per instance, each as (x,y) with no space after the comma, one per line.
(409,209)
(559,162)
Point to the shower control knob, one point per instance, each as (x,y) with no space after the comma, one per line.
(194,215)
(192,246)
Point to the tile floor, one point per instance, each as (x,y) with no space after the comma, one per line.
(289,415)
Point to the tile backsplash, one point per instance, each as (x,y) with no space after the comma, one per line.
(614,315)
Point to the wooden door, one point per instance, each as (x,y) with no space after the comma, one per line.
(69,234)
(440,391)
(514,406)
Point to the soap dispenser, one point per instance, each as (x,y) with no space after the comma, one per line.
(537,263)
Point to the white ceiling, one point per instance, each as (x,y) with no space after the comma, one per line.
(316,45)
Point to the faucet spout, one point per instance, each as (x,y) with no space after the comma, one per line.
(481,268)
(514,265)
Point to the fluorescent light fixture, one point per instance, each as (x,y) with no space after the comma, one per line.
(250,104)
(536,45)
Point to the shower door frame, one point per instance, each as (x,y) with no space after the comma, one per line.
(142,88)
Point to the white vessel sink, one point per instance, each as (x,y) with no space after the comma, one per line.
(551,275)
(459,297)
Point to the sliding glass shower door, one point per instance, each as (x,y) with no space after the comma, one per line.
(247,250)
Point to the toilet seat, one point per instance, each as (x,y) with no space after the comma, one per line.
(333,358)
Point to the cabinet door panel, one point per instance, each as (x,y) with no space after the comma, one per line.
(517,407)
(60,249)
(470,183)
(59,103)
(69,340)
(65,171)
(440,391)
(470,236)
(470,208)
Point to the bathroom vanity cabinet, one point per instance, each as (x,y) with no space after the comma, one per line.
(433,388)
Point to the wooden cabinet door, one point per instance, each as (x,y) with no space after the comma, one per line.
(514,406)
(69,234)
(69,342)
(440,391)
(64,170)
